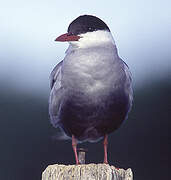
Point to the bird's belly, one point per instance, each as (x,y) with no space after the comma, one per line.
(89,117)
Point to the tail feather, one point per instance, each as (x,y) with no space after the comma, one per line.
(60,136)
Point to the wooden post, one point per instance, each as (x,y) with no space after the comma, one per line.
(86,172)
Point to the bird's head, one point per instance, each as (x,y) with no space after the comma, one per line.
(87,31)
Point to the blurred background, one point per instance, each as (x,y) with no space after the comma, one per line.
(28,53)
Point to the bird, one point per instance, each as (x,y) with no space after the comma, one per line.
(91,88)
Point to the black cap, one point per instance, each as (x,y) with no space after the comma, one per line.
(86,23)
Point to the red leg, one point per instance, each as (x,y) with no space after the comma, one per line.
(105,143)
(74,146)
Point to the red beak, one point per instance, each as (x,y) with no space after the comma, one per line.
(67,37)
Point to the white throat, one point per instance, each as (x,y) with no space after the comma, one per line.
(93,39)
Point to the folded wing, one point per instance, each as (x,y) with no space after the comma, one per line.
(56,94)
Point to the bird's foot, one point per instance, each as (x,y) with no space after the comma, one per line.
(105,162)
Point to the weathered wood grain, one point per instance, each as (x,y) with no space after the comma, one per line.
(86,172)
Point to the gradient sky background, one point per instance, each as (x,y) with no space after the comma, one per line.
(28,52)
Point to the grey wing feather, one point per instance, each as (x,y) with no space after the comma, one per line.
(56,94)
(128,85)
(55,74)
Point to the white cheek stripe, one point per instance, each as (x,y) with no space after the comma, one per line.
(91,39)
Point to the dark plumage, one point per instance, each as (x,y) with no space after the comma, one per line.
(86,23)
